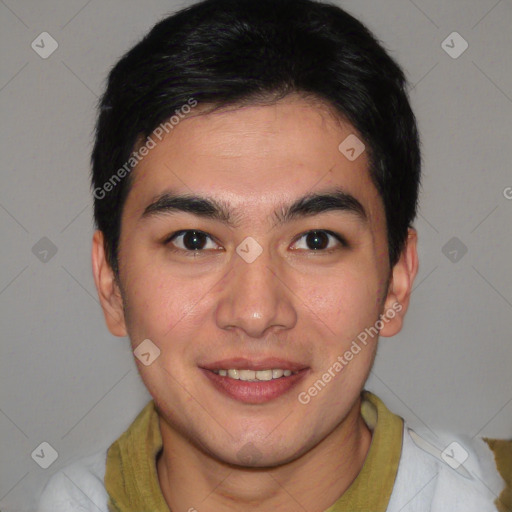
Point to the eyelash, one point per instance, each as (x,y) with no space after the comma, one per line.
(194,253)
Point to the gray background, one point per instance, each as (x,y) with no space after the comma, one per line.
(65,380)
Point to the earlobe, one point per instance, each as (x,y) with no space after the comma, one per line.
(400,288)
(107,288)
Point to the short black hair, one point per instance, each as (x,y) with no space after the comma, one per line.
(226,53)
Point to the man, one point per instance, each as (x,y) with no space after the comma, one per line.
(255,174)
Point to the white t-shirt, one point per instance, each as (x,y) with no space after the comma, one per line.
(427,480)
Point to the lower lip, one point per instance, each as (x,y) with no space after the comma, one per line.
(254,392)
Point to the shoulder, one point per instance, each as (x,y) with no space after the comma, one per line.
(446,472)
(77,488)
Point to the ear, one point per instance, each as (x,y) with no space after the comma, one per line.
(108,290)
(400,287)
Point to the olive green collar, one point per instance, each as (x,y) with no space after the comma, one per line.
(131,478)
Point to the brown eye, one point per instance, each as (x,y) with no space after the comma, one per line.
(194,240)
(317,240)
(190,240)
(320,240)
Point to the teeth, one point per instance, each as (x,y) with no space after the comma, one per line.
(247,374)
(255,376)
(233,374)
(264,375)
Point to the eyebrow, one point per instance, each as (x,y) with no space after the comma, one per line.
(335,199)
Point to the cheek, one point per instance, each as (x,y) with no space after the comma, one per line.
(346,301)
(160,306)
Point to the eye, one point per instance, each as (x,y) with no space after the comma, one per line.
(190,240)
(319,240)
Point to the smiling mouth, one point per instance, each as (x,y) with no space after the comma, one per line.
(255,381)
(255,386)
(254,375)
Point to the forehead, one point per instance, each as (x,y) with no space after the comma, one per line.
(255,156)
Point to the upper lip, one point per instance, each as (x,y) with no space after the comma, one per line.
(242,363)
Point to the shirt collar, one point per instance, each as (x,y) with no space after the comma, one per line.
(131,478)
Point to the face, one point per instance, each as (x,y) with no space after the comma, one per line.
(247,277)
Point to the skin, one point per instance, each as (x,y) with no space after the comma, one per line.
(292,302)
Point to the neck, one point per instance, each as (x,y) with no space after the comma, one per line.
(192,480)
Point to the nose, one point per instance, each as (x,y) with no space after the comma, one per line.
(256,298)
